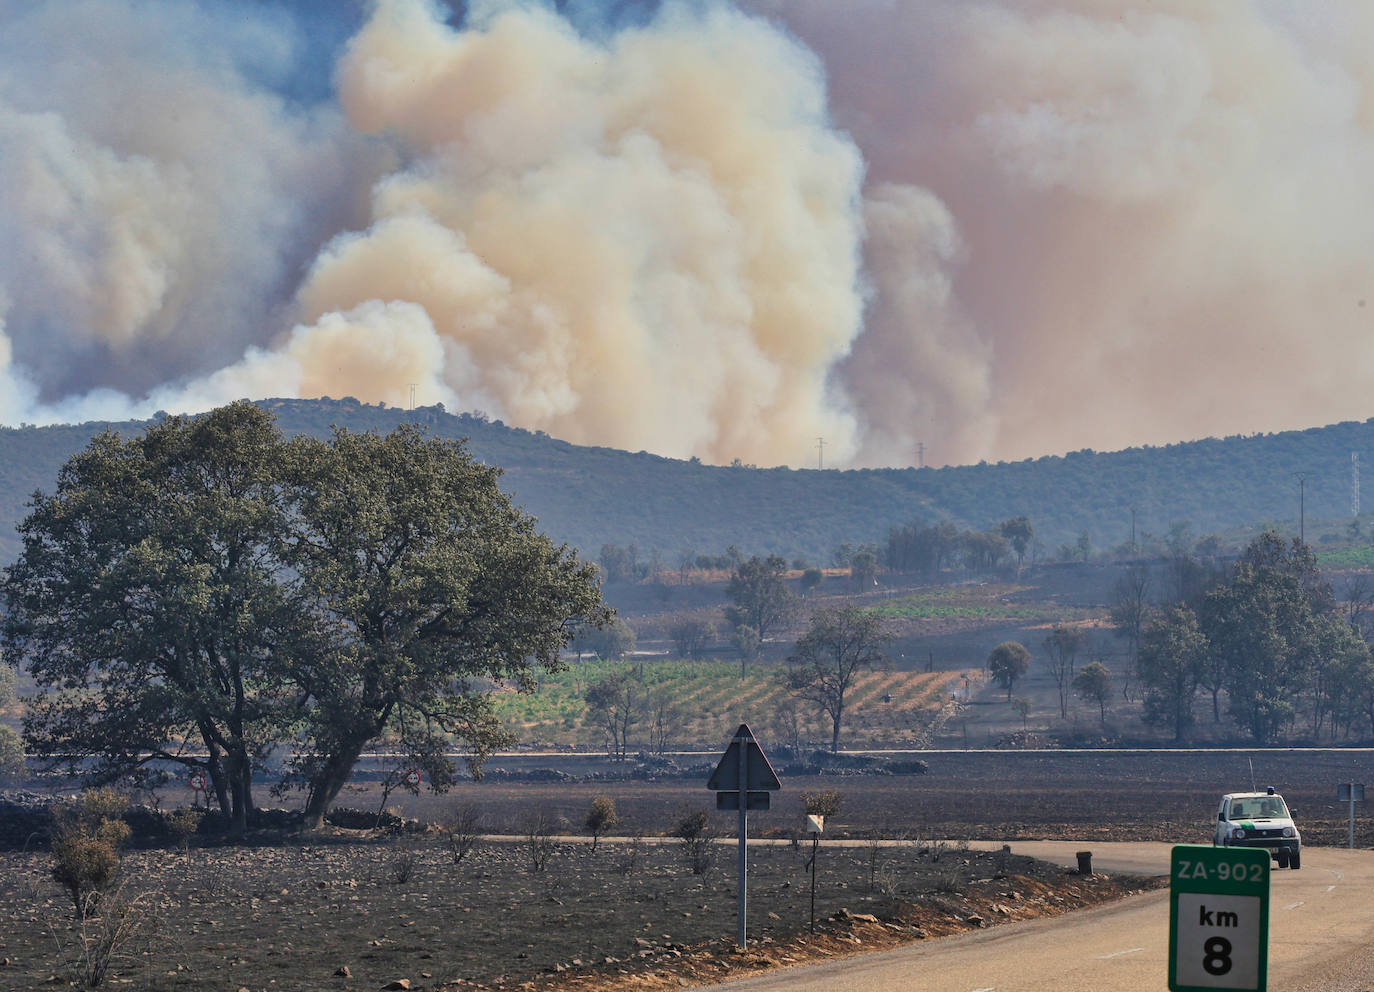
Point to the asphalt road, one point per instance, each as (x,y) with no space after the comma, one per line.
(1321,931)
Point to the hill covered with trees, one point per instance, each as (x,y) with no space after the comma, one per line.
(1083,503)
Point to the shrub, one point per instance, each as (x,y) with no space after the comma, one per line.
(184,823)
(85,847)
(463,831)
(404,861)
(695,831)
(539,828)
(102,937)
(12,768)
(825,803)
(634,855)
(601,817)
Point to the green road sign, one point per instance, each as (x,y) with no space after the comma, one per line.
(1218,918)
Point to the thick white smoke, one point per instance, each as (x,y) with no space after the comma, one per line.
(997,229)
(1162,210)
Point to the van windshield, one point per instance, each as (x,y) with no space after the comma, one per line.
(1264,808)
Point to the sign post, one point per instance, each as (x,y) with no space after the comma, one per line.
(197,783)
(1218,919)
(742,782)
(815,824)
(1351,793)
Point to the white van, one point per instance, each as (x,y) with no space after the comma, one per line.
(1259,819)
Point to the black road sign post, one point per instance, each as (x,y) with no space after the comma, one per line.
(1352,793)
(742,781)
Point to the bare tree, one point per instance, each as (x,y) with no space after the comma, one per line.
(665,721)
(1061,650)
(829,657)
(462,831)
(1130,611)
(616,704)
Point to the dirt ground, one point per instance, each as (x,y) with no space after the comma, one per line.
(349,915)
(342,911)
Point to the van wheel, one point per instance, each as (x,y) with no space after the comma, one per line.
(1295,860)
(1282,858)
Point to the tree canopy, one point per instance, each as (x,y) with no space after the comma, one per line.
(759,594)
(1007,663)
(208,593)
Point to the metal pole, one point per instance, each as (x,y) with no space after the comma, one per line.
(815,846)
(743,905)
(1352,816)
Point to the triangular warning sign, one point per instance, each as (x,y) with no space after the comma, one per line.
(759,774)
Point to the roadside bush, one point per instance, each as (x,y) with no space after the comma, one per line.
(85,847)
(697,834)
(462,831)
(184,823)
(601,818)
(538,829)
(824,803)
(404,862)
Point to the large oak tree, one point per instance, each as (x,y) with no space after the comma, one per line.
(210,592)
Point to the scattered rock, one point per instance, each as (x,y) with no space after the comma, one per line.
(343,972)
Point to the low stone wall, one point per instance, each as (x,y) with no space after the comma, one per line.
(26,819)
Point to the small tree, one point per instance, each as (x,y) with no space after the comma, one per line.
(811,580)
(829,657)
(690,635)
(612,642)
(1094,685)
(615,704)
(1061,651)
(1007,663)
(863,569)
(759,594)
(747,644)
(1173,651)
(665,721)
(1022,707)
(1019,534)
(601,818)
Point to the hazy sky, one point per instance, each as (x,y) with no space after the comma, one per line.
(997,230)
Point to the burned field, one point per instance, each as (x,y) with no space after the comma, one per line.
(350,915)
(351,910)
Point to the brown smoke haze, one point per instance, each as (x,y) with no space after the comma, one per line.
(997,230)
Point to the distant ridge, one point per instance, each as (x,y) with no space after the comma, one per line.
(590,496)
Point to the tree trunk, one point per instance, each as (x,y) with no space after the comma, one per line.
(239,772)
(329,781)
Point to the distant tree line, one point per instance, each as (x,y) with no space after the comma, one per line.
(1264,642)
(929,549)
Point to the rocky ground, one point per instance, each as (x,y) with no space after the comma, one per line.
(334,913)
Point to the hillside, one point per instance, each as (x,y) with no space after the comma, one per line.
(590,496)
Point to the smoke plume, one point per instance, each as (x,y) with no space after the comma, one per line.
(991,230)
